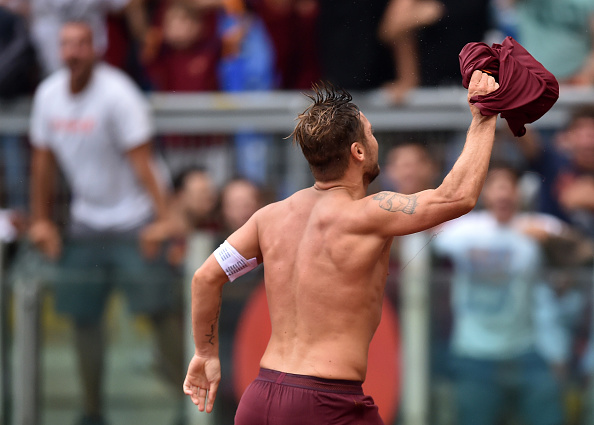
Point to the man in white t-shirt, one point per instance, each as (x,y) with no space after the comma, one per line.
(506,338)
(92,121)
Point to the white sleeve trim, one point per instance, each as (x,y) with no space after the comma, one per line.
(232,262)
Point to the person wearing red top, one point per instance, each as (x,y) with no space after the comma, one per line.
(292,25)
(189,54)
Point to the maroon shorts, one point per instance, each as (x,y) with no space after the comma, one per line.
(278,398)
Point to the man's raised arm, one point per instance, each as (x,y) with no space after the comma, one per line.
(393,214)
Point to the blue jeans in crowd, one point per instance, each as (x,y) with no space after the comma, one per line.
(485,389)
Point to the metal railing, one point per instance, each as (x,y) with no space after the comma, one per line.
(207,113)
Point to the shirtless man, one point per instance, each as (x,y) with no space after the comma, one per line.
(326,252)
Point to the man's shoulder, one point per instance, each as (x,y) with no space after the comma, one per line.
(109,75)
(296,198)
(55,83)
(271,210)
(280,209)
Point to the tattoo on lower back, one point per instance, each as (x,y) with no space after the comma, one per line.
(393,202)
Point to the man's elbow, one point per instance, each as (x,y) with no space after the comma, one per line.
(205,277)
(467,204)
(462,204)
(461,201)
(468,198)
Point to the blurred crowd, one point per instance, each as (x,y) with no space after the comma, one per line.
(231,45)
(515,320)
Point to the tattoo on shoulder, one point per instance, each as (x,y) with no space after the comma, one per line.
(393,202)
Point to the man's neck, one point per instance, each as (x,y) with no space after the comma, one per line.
(503,220)
(80,82)
(356,190)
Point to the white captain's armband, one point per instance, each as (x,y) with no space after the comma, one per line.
(232,262)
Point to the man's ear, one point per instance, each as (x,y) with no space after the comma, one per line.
(358,151)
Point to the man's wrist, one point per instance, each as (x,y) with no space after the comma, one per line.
(207,352)
(479,119)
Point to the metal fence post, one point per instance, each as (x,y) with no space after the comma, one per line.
(416,261)
(26,382)
(200,246)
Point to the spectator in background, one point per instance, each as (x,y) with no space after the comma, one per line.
(247,64)
(499,302)
(410,168)
(47,17)
(196,197)
(192,209)
(575,185)
(155,11)
(95,124)
(560,35)
(565,250)
(248,54)
(17,59)
(426,37)
(567,170)
(188,58)
(240,199)
(292,25)
(18,72)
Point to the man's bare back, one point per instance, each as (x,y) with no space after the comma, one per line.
(326,255)
(324,282)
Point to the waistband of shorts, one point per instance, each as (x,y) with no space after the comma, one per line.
(311,382)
